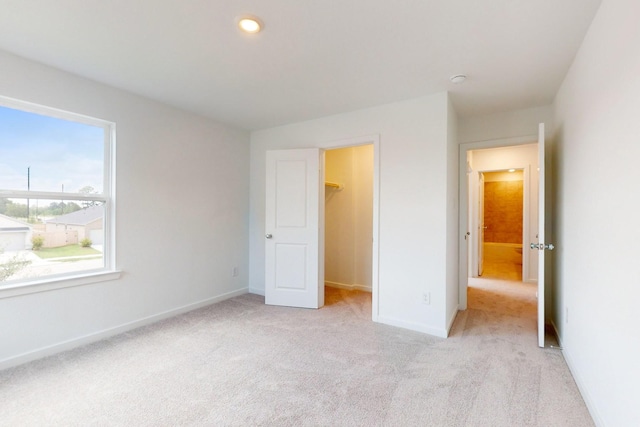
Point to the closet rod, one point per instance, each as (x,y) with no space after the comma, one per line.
(334,185)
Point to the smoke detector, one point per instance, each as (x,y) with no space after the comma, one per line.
(458,78)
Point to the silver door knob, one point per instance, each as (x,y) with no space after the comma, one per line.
(543,246)
(268,236)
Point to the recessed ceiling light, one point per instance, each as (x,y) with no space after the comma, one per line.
(458,78)
(512,170)
(250,24)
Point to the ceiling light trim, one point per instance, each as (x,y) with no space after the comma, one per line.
(249,24)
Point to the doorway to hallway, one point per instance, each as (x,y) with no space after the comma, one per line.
(501,200)
(540,215)
(497,246)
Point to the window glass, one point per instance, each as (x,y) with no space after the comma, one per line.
(54,194)
(41,153)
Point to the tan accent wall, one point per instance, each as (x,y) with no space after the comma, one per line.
(503,211)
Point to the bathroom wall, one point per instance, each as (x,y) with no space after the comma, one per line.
(349,217)
(503,197)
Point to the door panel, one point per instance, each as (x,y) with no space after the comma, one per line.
(288,255)
(542,246)
(293,247)
(291,193)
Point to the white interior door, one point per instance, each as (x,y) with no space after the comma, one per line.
(541,246)
(294,273)
(481,226)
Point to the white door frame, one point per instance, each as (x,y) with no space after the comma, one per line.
(353,142)
(465,246)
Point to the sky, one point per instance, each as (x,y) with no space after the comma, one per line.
(57,152)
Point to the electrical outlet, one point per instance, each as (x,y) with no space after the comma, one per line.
(426,298)
(234,272)
(566,315)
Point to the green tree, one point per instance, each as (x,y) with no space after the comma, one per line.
(61,208)
(4,204)
(72,207)
(16,210)
(56,209)
(87,189)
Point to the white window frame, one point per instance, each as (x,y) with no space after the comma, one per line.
(108,272)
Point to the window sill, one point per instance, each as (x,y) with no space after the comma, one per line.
(51,284)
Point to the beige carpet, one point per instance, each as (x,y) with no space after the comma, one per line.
(241,363)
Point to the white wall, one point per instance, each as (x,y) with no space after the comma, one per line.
(349,217)
(504,125)
(452,202)
(182,205)
(597,233)
(413,201)
(363,172)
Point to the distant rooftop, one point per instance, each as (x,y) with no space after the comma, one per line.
(11,224)
(81,217)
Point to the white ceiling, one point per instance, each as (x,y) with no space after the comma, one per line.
(314,58)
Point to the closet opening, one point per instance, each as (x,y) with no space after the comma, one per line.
(348,225)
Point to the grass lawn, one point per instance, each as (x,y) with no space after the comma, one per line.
(65,251)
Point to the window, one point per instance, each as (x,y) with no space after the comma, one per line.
(56,197)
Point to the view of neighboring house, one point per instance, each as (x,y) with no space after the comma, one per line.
(88,223)
(14,235)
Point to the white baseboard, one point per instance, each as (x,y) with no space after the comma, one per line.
(256,291)
(106,333)
(329,284)
(452,318)
(418,327)
(588,399)
(353,287)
